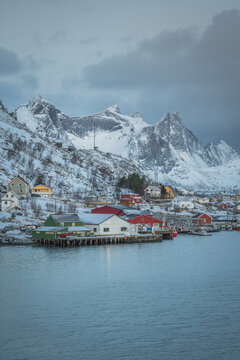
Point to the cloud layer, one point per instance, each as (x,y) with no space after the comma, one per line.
(198,74)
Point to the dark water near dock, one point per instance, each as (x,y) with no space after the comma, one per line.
(177,299)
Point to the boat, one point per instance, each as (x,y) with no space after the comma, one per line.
(200,233)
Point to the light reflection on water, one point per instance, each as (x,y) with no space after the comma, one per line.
(172,300)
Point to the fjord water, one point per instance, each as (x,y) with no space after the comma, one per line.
(172,300)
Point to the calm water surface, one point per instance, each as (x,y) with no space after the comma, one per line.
(177,299)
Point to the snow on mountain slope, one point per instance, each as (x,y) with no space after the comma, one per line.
(25,152)
(114,132)
(166,148)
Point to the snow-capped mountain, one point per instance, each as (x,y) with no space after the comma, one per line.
(33,143)
(167,149)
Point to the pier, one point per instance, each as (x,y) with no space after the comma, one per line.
(72,241)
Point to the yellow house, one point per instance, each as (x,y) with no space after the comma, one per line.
(42,190)
(169,191)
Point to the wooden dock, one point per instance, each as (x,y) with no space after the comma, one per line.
(72,241)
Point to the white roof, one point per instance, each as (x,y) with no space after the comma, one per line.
(94,219)
(50,228)
(78,228)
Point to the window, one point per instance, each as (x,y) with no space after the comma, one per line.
(73,224)
(95,229)
(6,195)
(156,225)
(106,229)
(123,228)
(6,202)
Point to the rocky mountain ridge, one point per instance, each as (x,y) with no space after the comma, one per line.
(167,151)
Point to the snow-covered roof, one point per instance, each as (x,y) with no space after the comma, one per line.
(78,228)
(94,219)
(197,215)
(183,198)
(50,228)
(154,188)
(132,211)
(121,207)
(10,191)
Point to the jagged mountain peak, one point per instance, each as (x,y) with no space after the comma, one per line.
(171,118)
(39,106)
(137,115)
(113,108)
(42,118)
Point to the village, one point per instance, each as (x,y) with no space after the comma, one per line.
(34,214)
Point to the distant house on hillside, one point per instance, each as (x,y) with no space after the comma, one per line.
(182,203)
(201,219)
(9,201)
(153,192)
(203,201)
(19,186)
(223,206)
(42,190)
(130,199)
(169,192)
(96,200)
(224,197)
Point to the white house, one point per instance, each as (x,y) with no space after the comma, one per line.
(106,224)
(9,201)
(237,208)
(203,201)
(182,203)
(152,191)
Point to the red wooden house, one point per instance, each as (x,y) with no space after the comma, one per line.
(136,198)
(223,206)
(201,219)
(144,220)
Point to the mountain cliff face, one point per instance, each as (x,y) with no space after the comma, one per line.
(166,149)
(165,145)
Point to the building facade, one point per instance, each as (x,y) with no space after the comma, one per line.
(19,186)
(9,201)
(43,190)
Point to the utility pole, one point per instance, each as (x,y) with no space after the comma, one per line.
(94,137)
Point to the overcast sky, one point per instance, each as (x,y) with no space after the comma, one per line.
(152,56)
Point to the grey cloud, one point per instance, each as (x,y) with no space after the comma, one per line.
(30,81)
(197,74)
(9,62)
(58,36)
(89,40)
